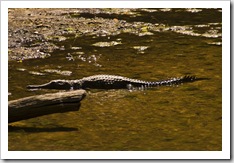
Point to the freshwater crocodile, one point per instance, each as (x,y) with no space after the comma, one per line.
(110,82)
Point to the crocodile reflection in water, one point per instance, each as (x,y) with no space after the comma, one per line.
(110,82)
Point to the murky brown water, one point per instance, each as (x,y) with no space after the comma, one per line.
(184,117)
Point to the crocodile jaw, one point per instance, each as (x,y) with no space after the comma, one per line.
(45,86)
(52,85)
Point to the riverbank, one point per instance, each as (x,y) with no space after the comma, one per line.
(33,33)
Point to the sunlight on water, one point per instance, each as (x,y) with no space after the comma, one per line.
(162,43)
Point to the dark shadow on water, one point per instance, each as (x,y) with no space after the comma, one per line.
(35,129)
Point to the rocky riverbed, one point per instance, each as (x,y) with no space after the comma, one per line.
(33,33)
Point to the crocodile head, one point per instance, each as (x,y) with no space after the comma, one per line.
(54,84)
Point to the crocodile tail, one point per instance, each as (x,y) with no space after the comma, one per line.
(188,78)
(177,81)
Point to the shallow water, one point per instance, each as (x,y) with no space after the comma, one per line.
(184,117)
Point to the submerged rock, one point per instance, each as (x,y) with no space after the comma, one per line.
(65,73)
(36,73)
(107,44)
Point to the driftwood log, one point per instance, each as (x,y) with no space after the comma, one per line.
(39,105)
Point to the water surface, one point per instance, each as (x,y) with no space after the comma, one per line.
(175,43)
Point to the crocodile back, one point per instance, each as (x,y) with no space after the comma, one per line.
(109,82)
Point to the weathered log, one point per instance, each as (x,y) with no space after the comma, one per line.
(39,105)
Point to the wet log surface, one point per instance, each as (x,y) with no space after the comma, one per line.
(39,105)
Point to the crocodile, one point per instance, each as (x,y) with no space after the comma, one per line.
(110,82)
